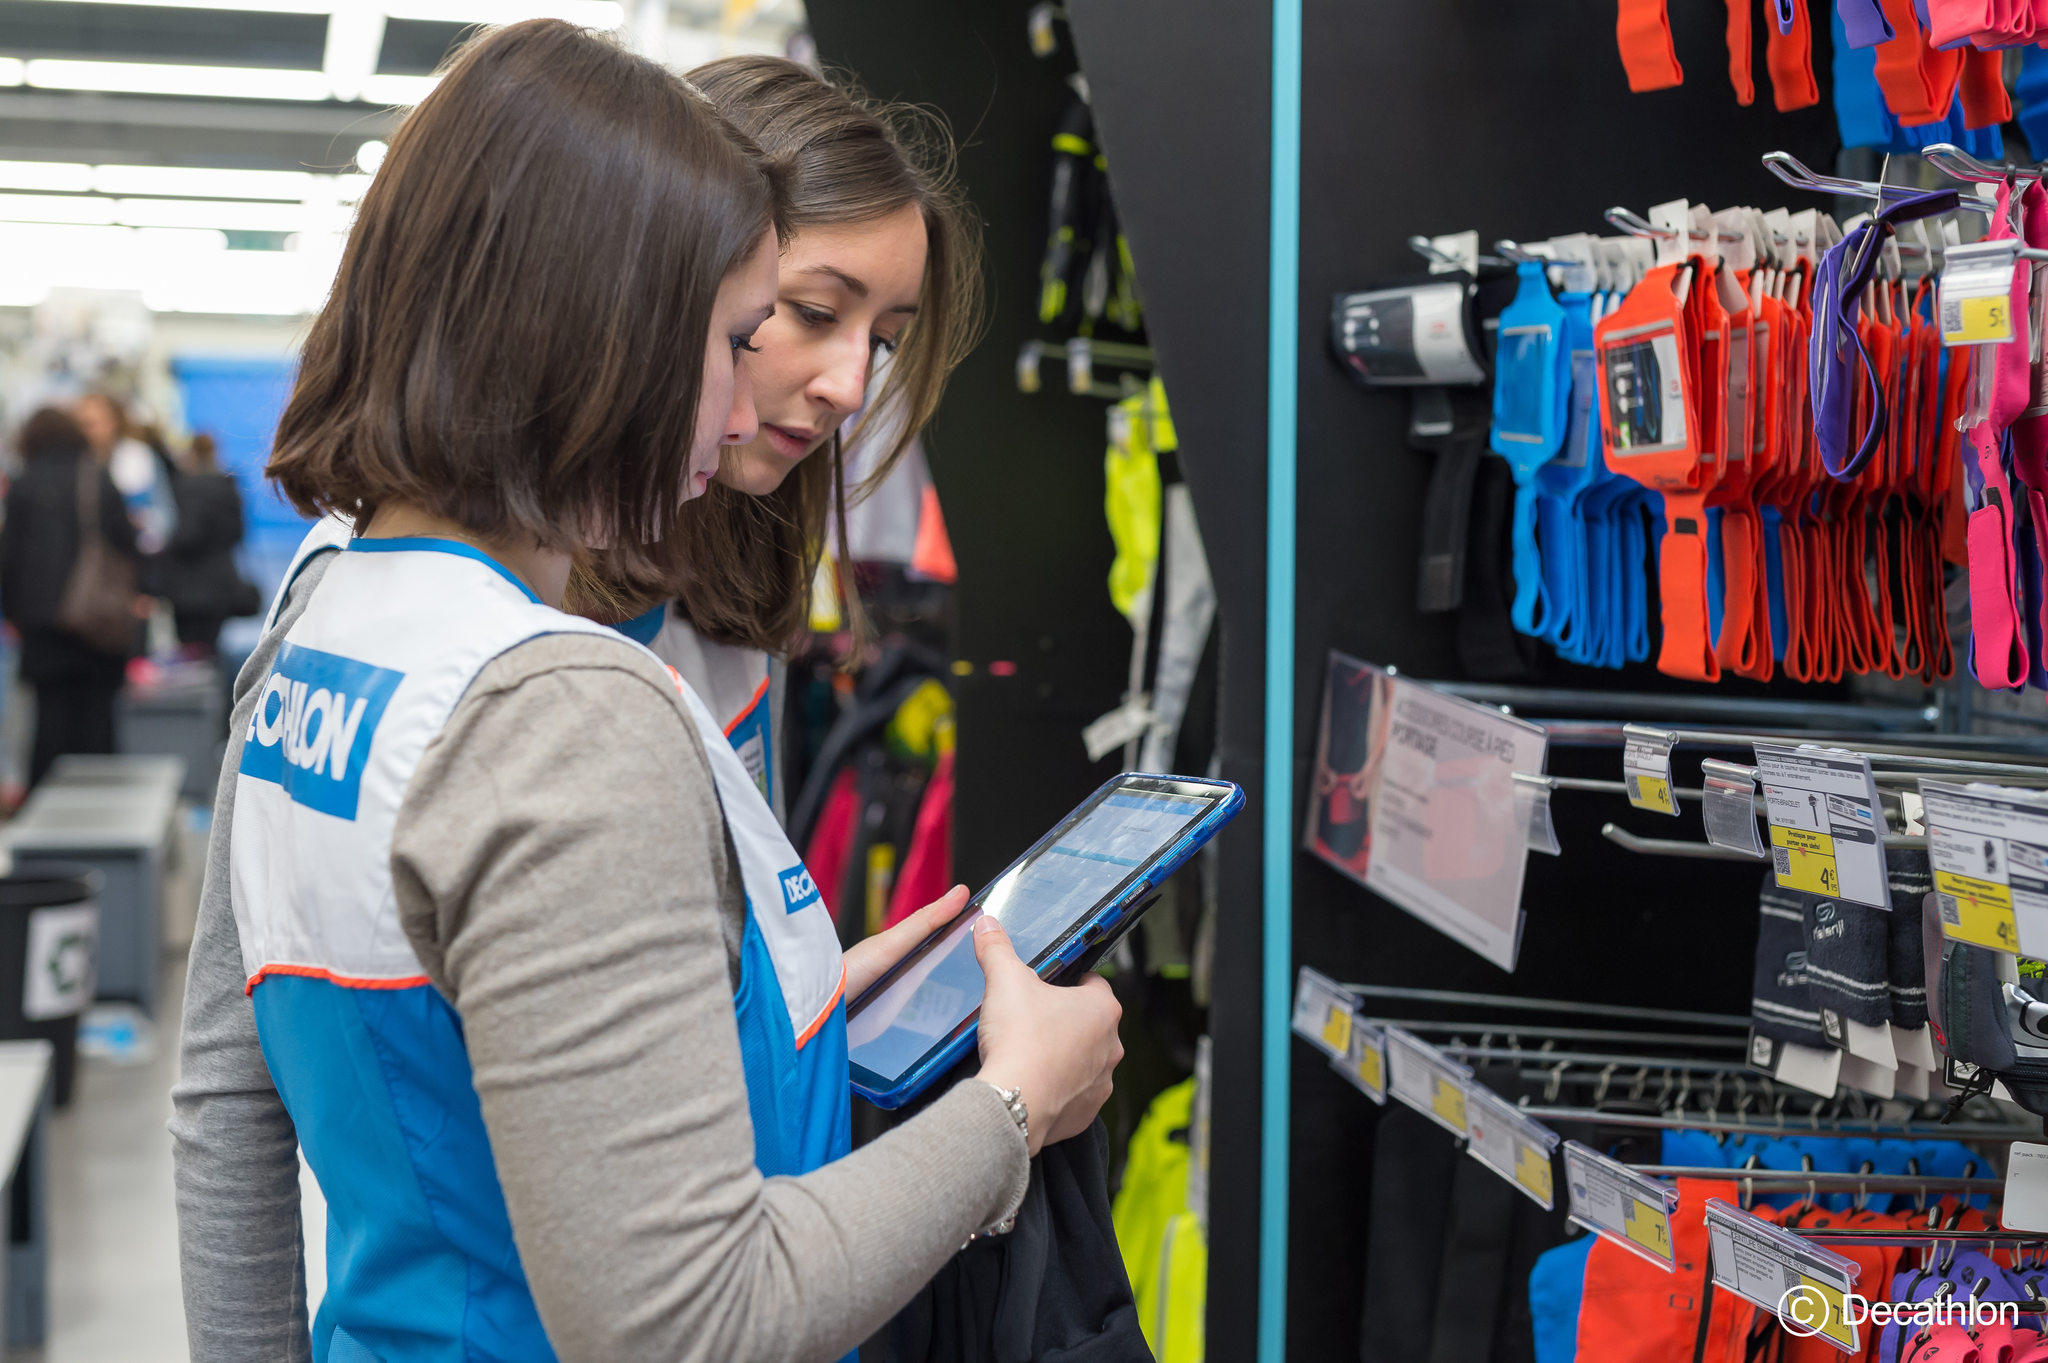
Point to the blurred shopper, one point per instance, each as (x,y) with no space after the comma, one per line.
(196,572)
(141,471)
(67,585)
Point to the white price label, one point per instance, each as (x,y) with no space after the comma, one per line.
(1646,768)
(1809,1287)
(1516,1147)
(1422,1077)
(1988,846)
(1449,838)
(1322,1013)
(1618,1204)
(1827,828)
(1366,1064)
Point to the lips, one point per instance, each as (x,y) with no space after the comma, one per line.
(789,442)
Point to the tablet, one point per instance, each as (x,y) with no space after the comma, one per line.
(1064,903)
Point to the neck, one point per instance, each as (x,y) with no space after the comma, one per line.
(545,571)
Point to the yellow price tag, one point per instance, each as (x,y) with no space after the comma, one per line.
(1649,1227)
(1977,911)
(1532,1171)
(1448,1102)
(1652,793)
(1337,1029)
(1367,1068)
(1805,860)
(1806,1303)
(1982,320)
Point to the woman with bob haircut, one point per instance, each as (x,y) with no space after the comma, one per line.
(881,272)
(504,938)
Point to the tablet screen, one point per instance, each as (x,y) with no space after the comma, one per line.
(1040,901)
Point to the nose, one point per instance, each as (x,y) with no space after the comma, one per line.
(742,423)
(843,384)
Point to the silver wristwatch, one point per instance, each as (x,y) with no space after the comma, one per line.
(1013,1099)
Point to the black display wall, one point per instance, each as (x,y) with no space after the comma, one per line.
(1019,476)
(1515,119)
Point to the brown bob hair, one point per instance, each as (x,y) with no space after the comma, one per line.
(743,565)
(515,339)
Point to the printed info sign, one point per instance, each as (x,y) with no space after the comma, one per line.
(1447,846)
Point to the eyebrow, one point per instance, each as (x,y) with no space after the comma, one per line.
(855,286)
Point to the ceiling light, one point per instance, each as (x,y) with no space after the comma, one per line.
(10,70)
(226,215)
(369,156)
(398,90)
(155,78)
(63,176)
(199,183)
(55,208)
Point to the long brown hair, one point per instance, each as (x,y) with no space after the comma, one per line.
(515,340)
(744,564)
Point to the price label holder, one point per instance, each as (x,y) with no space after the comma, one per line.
(1806,1285)
(1365,1066)
(1618,1204)
(1827,828)
(1323,1012)
(1646,768)
(1423,1078)
(1976,293)
(1989,849)
(1728,806)
(1532,809)
(1516,1147)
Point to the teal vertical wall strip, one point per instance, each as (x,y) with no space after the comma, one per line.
(1283,346)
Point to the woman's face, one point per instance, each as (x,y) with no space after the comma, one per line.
(725,403)
(846,292)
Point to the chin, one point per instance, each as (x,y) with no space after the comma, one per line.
(755,475)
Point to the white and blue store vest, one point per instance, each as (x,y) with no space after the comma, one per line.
(367,1054)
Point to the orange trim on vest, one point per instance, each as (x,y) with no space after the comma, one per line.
(748,708)
(315,972)
(826,1011)
(1642,28)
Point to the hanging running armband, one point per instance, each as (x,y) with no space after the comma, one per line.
(1648,377)
(1839,368)
(1531,413)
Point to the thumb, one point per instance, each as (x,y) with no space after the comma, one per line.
(992,949)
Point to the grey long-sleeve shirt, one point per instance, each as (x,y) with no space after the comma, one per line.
(563,873)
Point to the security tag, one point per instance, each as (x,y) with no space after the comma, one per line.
(1422,1077)
(1673,240)
(1827,829)
(1532,812)
(1808,1286)
(1365,1064)
(1989,849)
(1976,293)
(1620,1205)
(1322,1012)
(1646,767)
(1728,805)
(1516,1147)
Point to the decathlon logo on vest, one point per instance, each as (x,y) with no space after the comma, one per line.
(798,890)
(313,726)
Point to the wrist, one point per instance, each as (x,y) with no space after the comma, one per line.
(1016,1101)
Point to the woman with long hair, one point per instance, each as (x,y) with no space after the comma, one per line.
(496,928)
